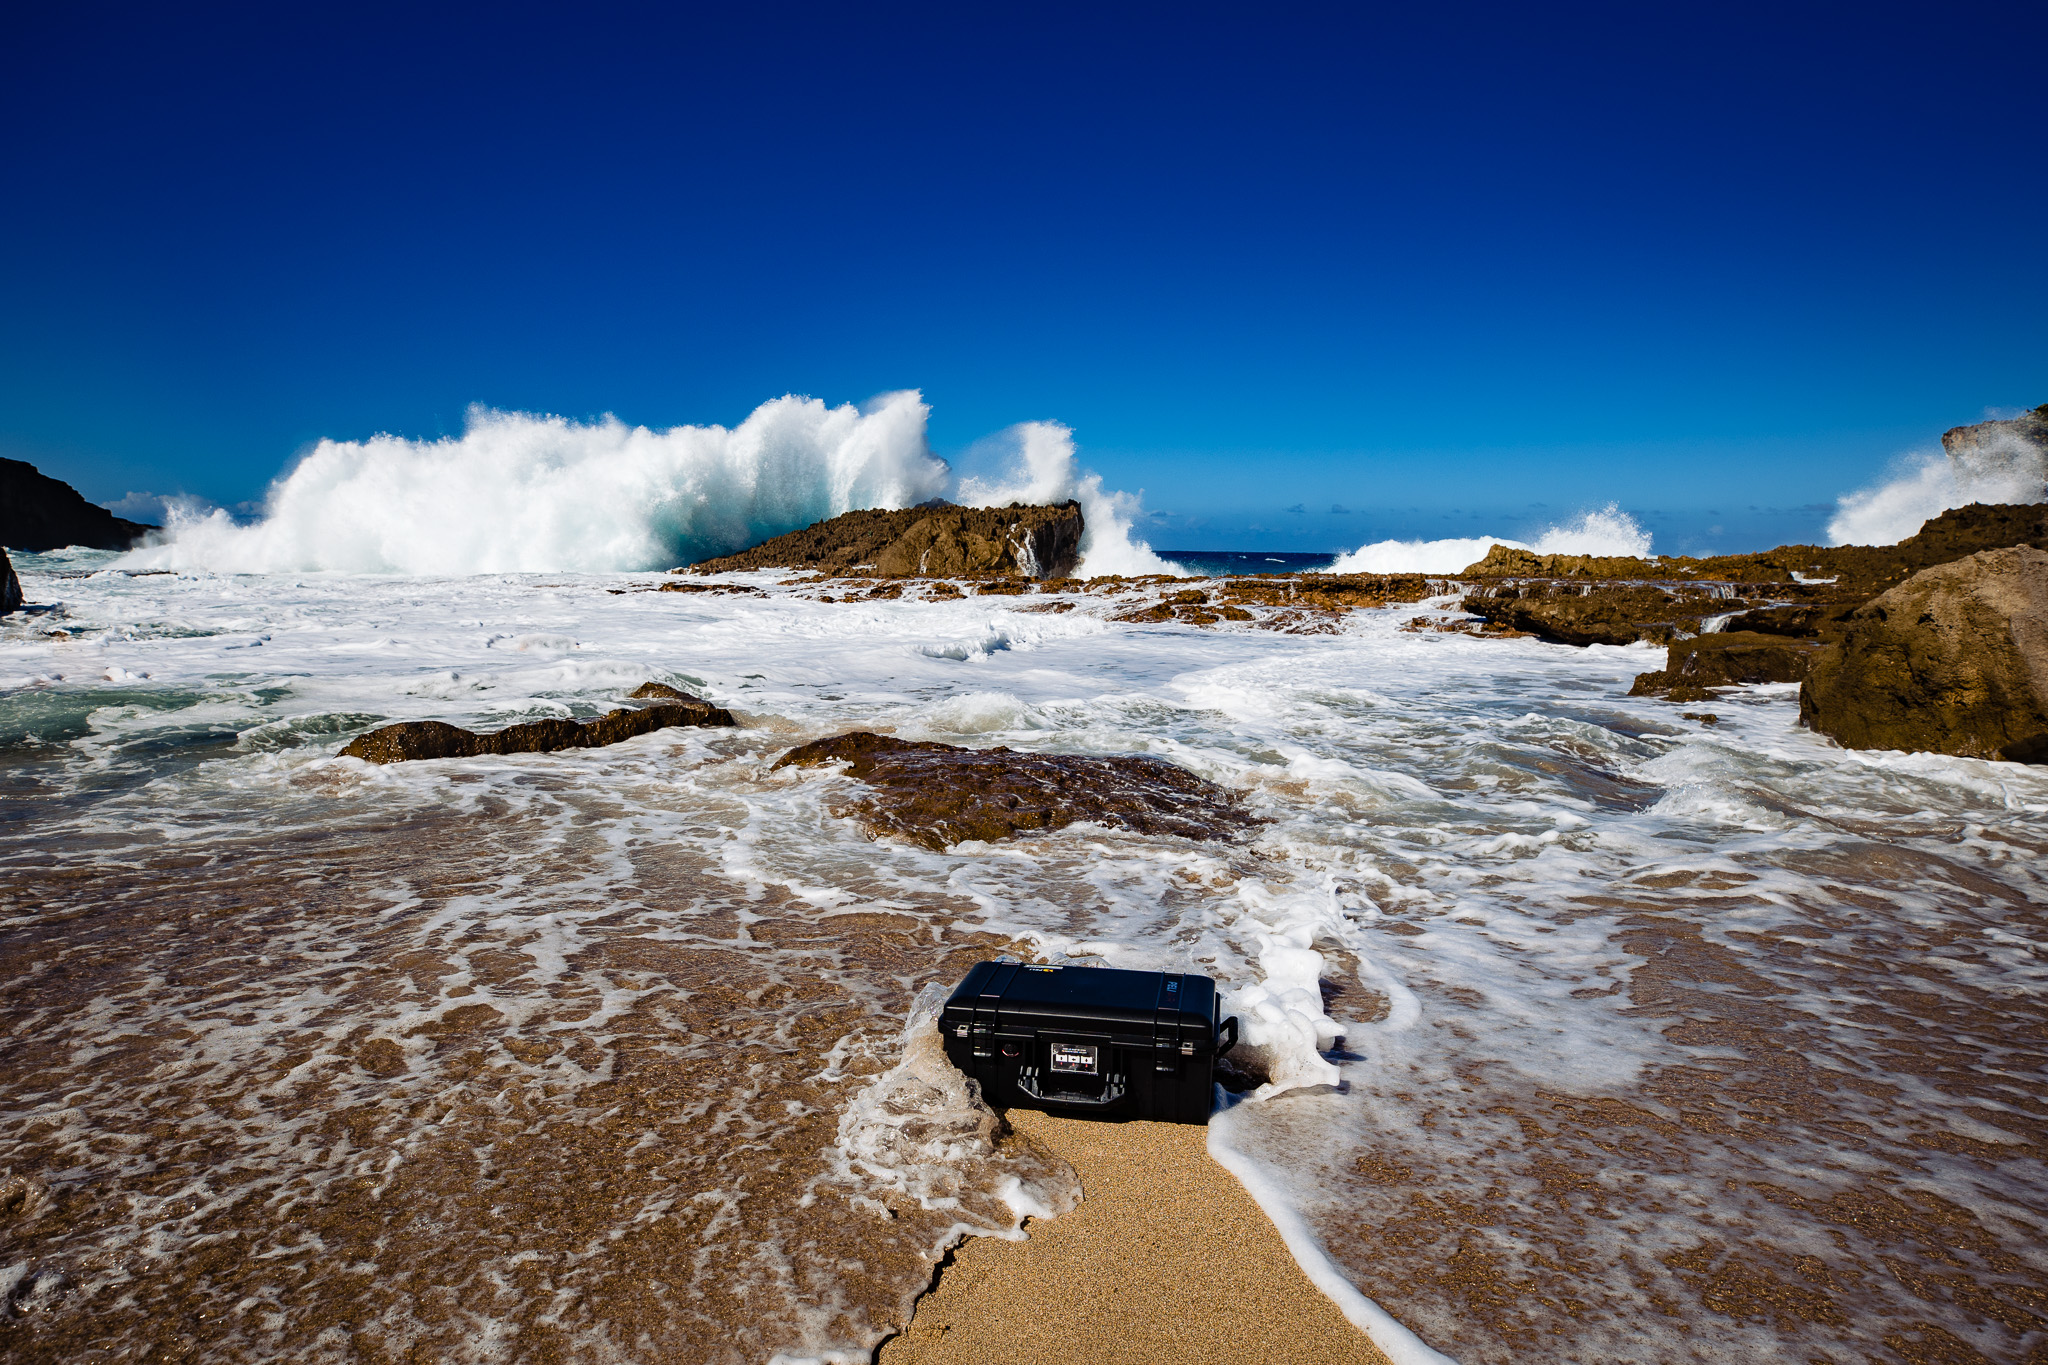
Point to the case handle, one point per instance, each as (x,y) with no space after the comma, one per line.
(1226,1035)
(1027,1081)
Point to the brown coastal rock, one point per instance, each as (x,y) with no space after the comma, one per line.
(1584,614)
(939,795)
(1854,572)
(935,540)
(415,739)
(1504,561)
(1725,659)
(10,586)
(1953,661)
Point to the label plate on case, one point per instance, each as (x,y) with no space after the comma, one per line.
(1074,1057)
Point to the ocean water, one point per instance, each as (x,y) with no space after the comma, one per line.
(1582,1030)
(1224,563)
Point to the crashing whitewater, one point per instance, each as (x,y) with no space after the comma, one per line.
(520,493)
(524,493)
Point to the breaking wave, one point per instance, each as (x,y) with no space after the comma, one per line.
(1603,531)
(2001,467)
(522,493)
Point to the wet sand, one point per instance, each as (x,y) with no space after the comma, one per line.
(1167,1259)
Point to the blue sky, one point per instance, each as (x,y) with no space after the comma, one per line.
(1446,267)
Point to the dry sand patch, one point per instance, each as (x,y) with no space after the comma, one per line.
(1166,1261)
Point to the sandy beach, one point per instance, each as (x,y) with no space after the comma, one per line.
(1167,1259)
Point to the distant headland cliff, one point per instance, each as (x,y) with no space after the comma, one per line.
(40,513)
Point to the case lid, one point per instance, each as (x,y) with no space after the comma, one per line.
(1098,1000)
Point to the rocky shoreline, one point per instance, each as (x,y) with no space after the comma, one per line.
(1779,616)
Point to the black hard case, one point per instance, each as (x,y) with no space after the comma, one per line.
(1031,1034)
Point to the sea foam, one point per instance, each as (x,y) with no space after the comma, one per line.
(521,493)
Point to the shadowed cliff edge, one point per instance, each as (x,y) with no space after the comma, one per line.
(40,513)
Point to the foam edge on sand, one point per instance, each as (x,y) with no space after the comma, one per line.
(1399,1344)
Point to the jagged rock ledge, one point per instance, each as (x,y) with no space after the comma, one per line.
(931,540)
(939,795)
(422,739)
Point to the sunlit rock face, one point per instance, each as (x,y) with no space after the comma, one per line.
(935,540)
(1953,660)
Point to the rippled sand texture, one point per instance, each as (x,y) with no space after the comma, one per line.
(1578,1031)
(455,1073)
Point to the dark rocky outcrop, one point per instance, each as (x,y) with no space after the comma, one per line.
(10,586)
(1953,661)
(1725,659)
(1583,614)
(939,795)
(934,540)
(40,513)
(1796,621)
(415,739)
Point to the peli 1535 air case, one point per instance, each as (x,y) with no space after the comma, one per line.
(1089,1041)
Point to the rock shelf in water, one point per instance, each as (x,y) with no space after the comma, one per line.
(939,795)
(417,739)
(1726,659)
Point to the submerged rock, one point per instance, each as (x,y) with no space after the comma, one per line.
(38,513)
(939,795)
(935,540)
(10,586)
(1954,660)
(415,739)
(1725,659)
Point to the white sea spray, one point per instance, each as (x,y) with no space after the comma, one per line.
(2001,468)
(524,493)
(1604,530)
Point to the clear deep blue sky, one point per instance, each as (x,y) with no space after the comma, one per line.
(1421,262)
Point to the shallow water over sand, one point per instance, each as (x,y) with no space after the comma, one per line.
(1657,1041)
